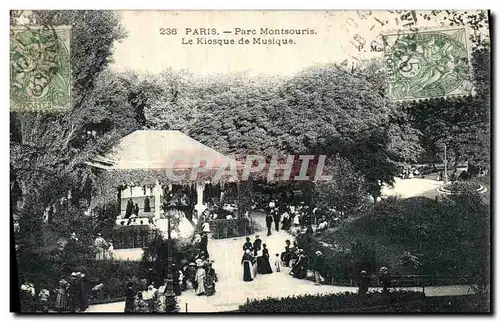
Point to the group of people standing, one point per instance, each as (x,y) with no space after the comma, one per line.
(291,215)
(200,274)
(143,301)
(133,209)
(69,296)
(257,260)
(204,279)
(383,277)
(105,249)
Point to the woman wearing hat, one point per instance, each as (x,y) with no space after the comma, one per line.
(299,269)
(61,303)
(385,279)
(74,292)
(130,298)
(247,262)
(247,244)
(318,266)
(200,279)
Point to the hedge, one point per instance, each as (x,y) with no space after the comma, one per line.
(329,302)
(461,186)
(438,304)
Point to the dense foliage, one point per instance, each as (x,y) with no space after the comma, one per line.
(328,302)
(435,304)
(447,237)
(346,192)
(48,151)
(460,123)
(323,110)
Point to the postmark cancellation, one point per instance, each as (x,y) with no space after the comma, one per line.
(40,70)
(427,64)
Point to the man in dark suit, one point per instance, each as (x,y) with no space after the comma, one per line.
(276,217)
(269,222)
(256,245)
(204,242)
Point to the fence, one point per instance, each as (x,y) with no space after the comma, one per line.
(228,228)
(409,281)
(133,236)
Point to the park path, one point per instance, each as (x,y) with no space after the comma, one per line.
(232,291)
(407,188)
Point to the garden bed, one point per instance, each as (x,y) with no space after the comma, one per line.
(329,302)
(461,187)
(438,304)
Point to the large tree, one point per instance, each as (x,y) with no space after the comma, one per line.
(460,123)
(323,110)
(333,111)
(48,151)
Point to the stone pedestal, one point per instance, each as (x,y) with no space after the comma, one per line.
(200,207)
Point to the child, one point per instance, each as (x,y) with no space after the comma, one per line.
(44,300)
(140,304)
(277,263)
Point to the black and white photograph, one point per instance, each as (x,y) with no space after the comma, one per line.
(250,161)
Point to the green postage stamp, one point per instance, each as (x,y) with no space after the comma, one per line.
(427,64)
(40,71)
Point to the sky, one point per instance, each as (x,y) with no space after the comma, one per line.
(336,35)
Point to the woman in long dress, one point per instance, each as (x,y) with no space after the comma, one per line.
(61,303)
(200,280)
(286,221)
(130,298)
(299,270)
(247,266)
(265,264)
(102,247)
(211,278)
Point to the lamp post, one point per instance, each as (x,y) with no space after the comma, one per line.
(445,176)
(170,280)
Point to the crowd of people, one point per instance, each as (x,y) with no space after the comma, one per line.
(284,216)
(72,295)
(199,276)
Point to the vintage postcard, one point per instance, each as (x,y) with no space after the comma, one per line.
(250,161)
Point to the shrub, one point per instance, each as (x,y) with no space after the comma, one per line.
(462,186)
(448,236)
(182,250)
(328,302)
(345,193)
